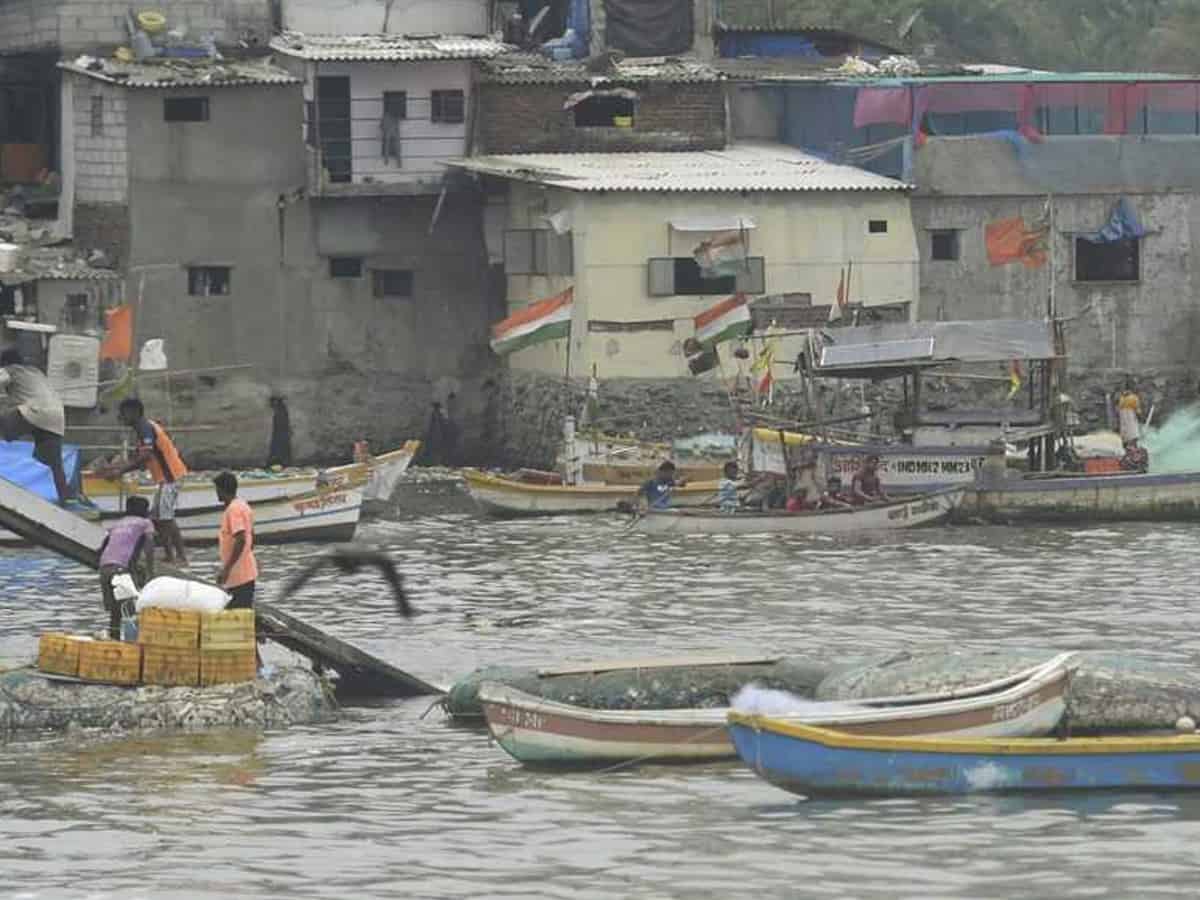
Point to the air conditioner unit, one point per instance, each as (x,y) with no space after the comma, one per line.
(73,367)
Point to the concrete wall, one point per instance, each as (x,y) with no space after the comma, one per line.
(1151,323)
(101,159)
(424,144)
(80,25)
(805,238)
(386,16)
(530,118)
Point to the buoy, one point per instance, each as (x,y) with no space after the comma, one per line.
(151,21)
(1185,724)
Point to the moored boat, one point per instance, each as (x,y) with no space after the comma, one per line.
(500,496)
(810,760)
(536,731)
(328,513)
(1086,498)
(908,513)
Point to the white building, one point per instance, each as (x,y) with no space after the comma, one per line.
(386,16)
(383,113)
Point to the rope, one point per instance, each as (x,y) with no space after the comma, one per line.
(708,732)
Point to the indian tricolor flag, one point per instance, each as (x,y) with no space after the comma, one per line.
(727,320)
(542,321)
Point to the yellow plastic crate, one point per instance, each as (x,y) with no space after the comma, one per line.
(178,628)
(229,630)
(111,662)
(170,666)
(227,666)
(58,654)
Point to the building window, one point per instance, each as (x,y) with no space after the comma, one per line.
(681,275)
(877,226)
(943,244)
(209,281)
(448,106)
(1111,261)
(97,116)
(345,267)
(185,109)
(395,104)
(538,251)
(605,111)
(393,282)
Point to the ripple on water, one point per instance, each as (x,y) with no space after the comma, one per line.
(385,803)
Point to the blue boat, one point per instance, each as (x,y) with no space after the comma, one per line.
(818,761)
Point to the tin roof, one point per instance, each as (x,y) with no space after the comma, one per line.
(53,264)
(830,16)
(385,47)
(742,167)
(533,68)
(164,73)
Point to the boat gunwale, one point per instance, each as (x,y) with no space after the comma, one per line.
(783,515)
(474,477)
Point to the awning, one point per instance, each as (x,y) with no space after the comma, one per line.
(713,223)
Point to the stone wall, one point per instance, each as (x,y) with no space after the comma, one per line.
(530,118)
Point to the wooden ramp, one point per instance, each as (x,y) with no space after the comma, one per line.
(48,525)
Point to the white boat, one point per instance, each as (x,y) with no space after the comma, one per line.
(501,496)
(325,514)
(544,732)
(378,476)
(907,513)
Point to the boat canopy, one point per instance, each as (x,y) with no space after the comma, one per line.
(891,349)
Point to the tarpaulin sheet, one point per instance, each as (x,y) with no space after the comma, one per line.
(18,466)
(882,106)
(649,27)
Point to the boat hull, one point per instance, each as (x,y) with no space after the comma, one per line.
(506,497)
(1092,498)
(538,732)
(925,510)
(816,761)
(329,514)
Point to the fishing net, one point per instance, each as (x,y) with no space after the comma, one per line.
(1108,691)
(289,696)
(676,687)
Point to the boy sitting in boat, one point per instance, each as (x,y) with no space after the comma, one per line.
(657,491)
(727,488)
(1136,458)
(865,487)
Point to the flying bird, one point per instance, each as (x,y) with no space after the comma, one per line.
(349,560)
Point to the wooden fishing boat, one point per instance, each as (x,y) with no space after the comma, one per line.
(377,476)
(908,513)
(536,731)
(1085,498)
(813,761)
(329,513)
(499,496)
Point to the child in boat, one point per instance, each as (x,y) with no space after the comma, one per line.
(865,487)
(657,491)
(1136,458)
(727,488)
(833,498)
(131,539)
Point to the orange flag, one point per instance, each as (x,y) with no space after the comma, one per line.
(118,336)
(1010,240)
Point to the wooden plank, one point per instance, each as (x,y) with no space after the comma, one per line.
(49,525)
(659,662)
(360,673)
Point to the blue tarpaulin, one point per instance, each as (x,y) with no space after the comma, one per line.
(18,466)
(1123,225)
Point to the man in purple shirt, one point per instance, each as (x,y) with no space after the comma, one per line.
(130,539)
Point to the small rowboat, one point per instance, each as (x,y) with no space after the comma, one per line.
(326,514)
(815,761)
(909,513)
(506,497)
(542,732)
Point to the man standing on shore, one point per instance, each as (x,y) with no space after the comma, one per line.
(157,454)
(38,413)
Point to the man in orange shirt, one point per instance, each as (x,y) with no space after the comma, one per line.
(239,568)
(157,454)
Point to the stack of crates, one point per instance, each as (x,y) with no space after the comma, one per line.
(58,654)
(170,642)
(227,647)
(109,662)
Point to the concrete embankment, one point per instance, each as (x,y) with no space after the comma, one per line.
(30,703)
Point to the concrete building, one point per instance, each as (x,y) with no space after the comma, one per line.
(351,17)
(356,311)
(383,113)
(621,230)
(529,104)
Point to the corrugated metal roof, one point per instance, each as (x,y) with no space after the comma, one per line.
(743,167)
(44,265)
(385,47)
(830,16)
(179,72)
(533,68)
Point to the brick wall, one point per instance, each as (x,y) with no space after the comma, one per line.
(101,143)
(529,118)
(77,25)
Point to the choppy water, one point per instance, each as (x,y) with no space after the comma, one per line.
(385,803)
